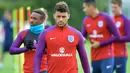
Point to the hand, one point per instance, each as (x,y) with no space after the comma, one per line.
(29,44)
(34,44)
(95,44)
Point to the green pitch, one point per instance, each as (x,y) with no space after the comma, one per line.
(88,53)
(8,62)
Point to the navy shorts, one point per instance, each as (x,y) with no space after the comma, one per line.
(103,66)
(120,65)
(45,71)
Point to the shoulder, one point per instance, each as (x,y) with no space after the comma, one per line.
(107,18)
(23,32)
(48,30)
(105,15)
(47,26)
(85,18)
(77,32)
(124,17)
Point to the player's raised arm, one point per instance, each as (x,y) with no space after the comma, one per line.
(39,52)
(126,37)
(83,55)
(113,30)
(14,49)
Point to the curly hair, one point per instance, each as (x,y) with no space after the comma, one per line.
(62,7)
(41,12)
(119,2)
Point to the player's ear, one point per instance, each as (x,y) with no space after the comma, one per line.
(54,15)
(68,16)
(120,6)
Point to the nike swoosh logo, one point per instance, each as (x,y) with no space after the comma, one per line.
(88,25)
(108,66)
(52,38)
(118,66)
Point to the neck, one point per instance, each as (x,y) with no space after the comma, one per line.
(119,13)
(36,25)
(95,13)
(37,29)
(63,26)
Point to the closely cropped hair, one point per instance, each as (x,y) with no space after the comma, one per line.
(62,7)
(90,2)
(41,12)
(119,2)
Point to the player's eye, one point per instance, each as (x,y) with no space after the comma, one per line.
(58,16)
(33,18)
(63,16)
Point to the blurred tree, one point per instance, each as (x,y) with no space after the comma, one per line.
(75,10)
(77,14)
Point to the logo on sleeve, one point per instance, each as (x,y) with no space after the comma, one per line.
(118,24)
(71,38)
(100,23)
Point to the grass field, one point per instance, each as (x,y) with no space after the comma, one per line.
(8,64)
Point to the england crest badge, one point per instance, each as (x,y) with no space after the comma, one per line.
(100,23)
(118,24)
(71,38)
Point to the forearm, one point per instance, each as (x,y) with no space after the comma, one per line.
(40,49)
(38,58)
(109,41)
(15,47)
(83,55)
(37,63)
(126,37)
(15,50)
(123,39)
(113,31)
(85,63)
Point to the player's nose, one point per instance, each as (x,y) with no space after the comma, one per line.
(61,19)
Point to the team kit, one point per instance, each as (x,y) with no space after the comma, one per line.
(54,49)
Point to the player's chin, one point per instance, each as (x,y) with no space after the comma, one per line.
(60,25)
(33,24)
(88,14)
(114,13)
